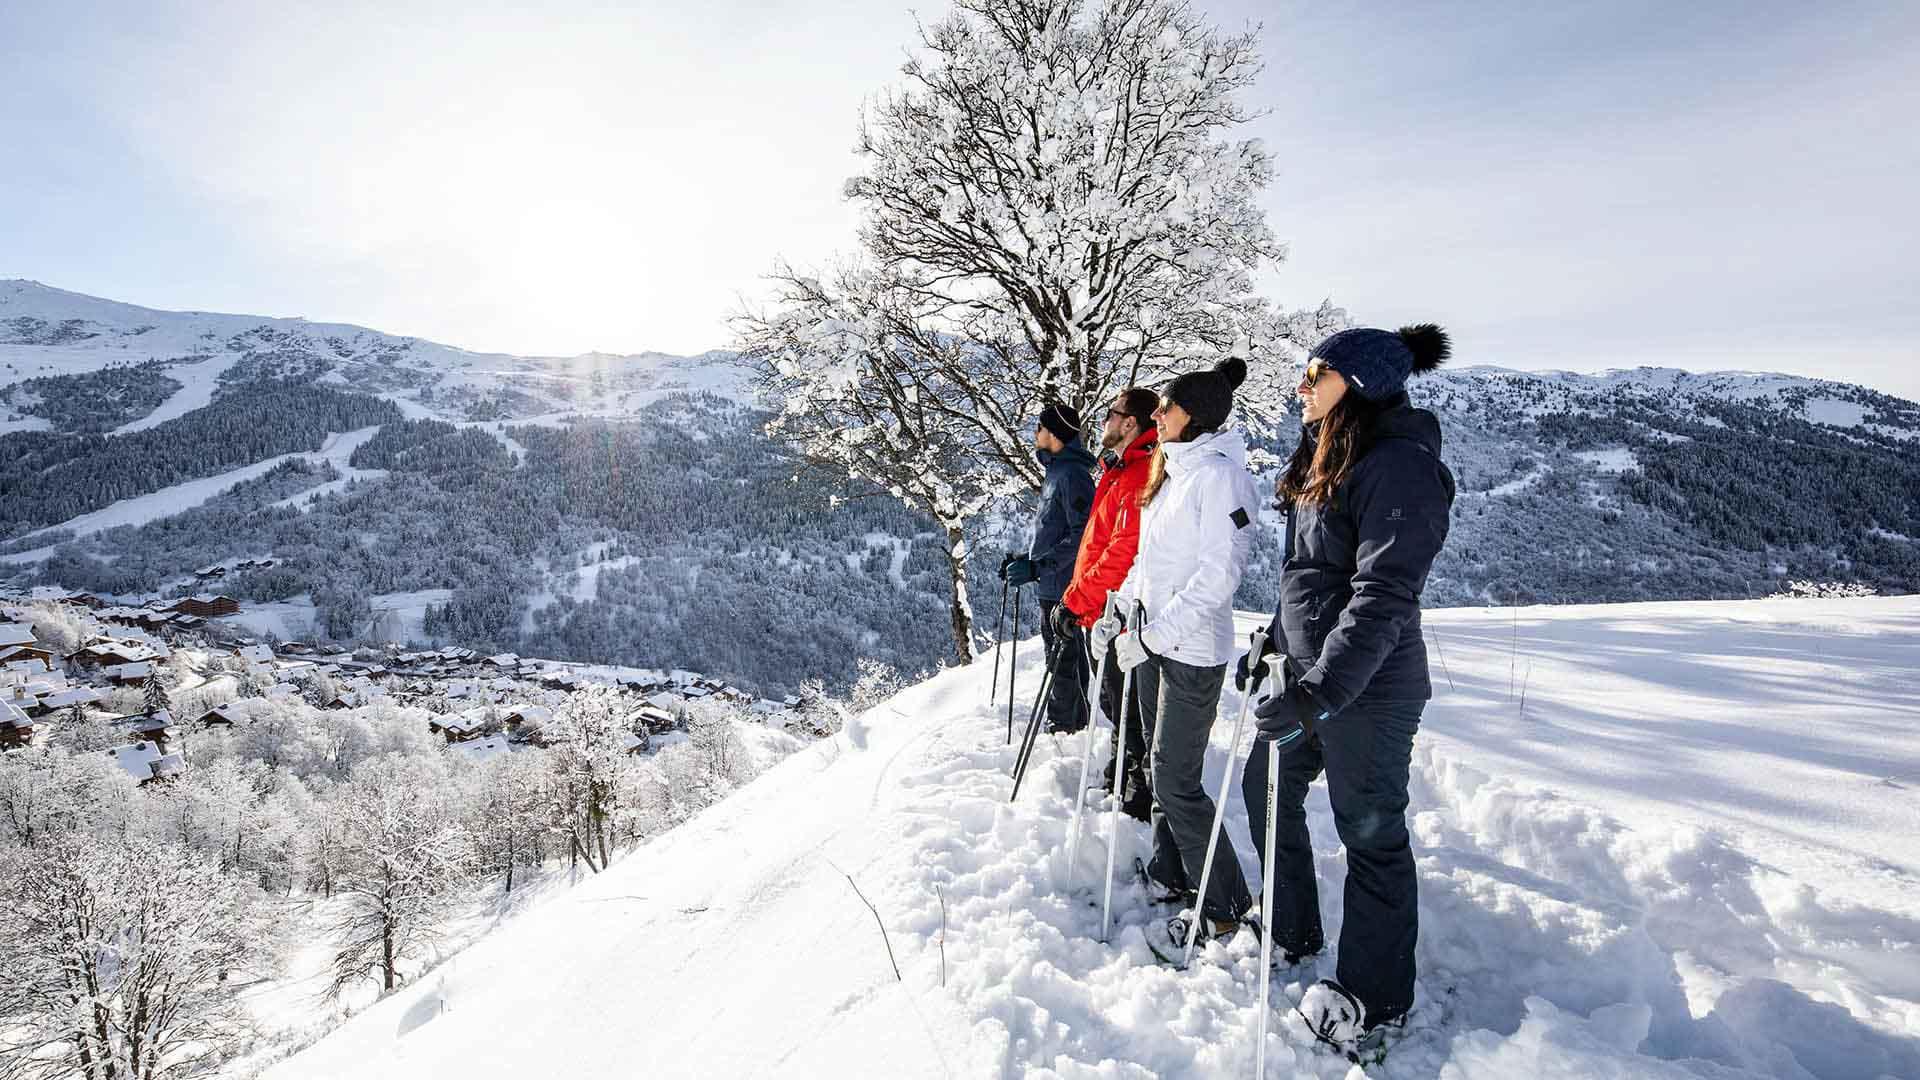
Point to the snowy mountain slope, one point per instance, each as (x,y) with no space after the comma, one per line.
(46,331)
(1693,854)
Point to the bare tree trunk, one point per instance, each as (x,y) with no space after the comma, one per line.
(386,946)
(960,607)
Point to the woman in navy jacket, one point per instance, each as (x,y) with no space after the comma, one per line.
(1367,500)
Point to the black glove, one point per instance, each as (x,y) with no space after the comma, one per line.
(1251,671)
(1288,719)
(1020,571)
(1065,623)
(1005,562)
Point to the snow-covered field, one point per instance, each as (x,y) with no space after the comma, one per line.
(1691,852)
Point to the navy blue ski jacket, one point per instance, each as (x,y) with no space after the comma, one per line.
(1066,498)
(1349,611)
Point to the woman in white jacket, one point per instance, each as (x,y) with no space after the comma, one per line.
(1195,534)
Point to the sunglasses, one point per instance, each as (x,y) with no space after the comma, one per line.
(1311,377)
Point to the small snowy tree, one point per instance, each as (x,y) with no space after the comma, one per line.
(154,695)
(1051,211)
(589,739)
(85,731)
(403,858)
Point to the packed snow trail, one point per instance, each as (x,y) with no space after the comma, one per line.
(1629,935)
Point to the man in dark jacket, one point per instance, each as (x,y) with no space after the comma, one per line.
(1066,497)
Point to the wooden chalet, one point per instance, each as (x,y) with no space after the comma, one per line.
(206,606)
(156,727)
(146,762)
(35,653)
(63,699)
(128,674)
(220,716)
(16,727)
(16,635)
(460,727)
(652,719)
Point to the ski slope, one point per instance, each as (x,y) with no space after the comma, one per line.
(1691,853)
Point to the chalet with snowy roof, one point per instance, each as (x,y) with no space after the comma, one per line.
(156,726)
(207,573)
(206,605)
(493,746)
(183,621)
(63,699)
(16,727)
(146,762)
(32,657)
(666,702)
(652,719)
(255,654)
(460,727)
(525,718)
(128,674)
(110,654)
(505,659)
(220,716)
(13,635)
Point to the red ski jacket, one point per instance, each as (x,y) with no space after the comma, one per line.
(1112,537)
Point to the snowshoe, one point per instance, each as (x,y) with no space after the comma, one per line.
(1167,939)
(1334,1016)
(1159,892)
(1338,1019)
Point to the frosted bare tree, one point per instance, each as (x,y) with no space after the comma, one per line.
(589,763)
(1052,210)
(403,858)
(120,959)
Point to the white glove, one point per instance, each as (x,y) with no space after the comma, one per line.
(1104,630)
(1129,651)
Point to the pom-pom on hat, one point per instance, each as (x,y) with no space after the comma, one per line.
(1062,420)
(1377,363)
(1207,396)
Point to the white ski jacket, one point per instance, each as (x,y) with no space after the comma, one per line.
(1194,539)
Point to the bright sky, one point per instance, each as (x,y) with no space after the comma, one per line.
(1712,185)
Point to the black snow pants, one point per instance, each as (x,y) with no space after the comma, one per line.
(1178,703)
(1366,750)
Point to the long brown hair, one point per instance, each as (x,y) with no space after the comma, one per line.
(1156,472)
(1325,458)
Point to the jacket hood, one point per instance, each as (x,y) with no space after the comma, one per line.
(1230,444)
(1403,421)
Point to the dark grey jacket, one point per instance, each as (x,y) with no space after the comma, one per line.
(1066,498)
(1349,609)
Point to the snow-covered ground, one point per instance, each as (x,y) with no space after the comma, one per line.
(1693,851)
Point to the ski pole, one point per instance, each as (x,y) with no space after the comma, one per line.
(999,639)
(1096,706)
(1054,656)
(1013,663)
(1220,804)
(1134,619)
(1266,889)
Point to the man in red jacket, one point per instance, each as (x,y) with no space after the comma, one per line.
(1107,548)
